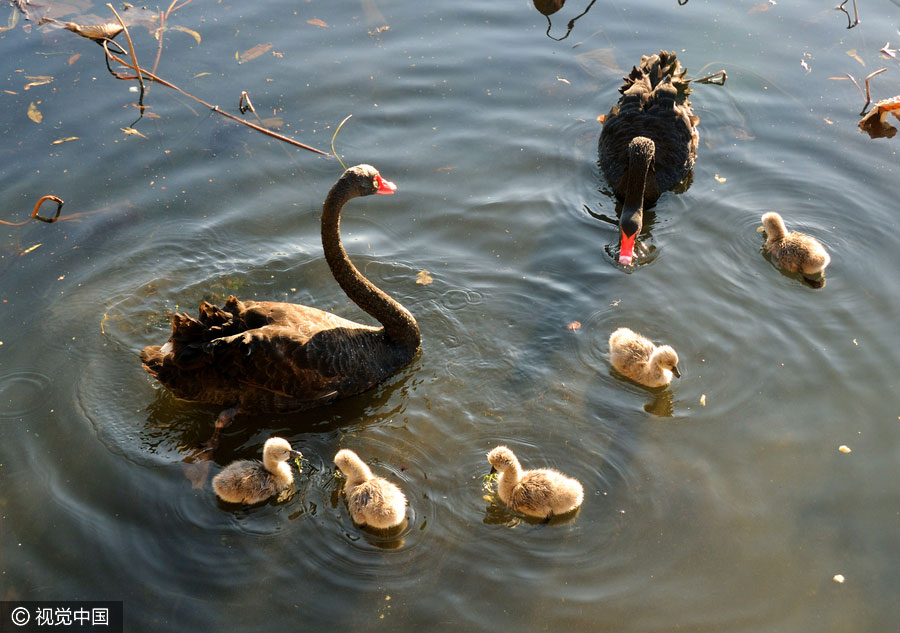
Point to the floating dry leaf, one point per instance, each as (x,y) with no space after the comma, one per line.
(838,578)
(380,29)
(759,8)
(874,123)
(190,32)
(423,278)
(844,448)
(703,400)
(74,58)
(64,140)
(719,178)
(828,121)
(574,325)
(253,53)
(852,53)
(37,80)
(132,132)
(96,32)
(317,22)
(34,114)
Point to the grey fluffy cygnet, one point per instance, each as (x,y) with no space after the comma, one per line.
(372,501)
(793,251)
(539,493)
(641,360)
(251,481)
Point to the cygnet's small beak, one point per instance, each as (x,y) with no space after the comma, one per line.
(676,372)
(297,454)
(493,470)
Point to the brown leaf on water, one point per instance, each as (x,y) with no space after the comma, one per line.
(96,32)
(317,22)
(759,8)
(380,29)
(34,114)
(251,54)
(64,140)
(423,278)
(874,123)
(852,53)
(190,32)
(38,80)
(574,325)
(74,58)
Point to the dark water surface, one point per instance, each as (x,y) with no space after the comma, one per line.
(733,515)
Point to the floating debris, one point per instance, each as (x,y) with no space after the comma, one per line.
(844,448)
(838,578)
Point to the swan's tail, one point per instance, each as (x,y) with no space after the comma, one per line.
(656,71)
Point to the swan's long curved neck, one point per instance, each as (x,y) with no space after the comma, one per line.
(641,151)
(640,155)
(399,324)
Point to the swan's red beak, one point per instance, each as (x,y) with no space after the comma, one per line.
(385,187)
(626,251)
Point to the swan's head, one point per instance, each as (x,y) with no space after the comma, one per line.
(773,224)
(666,358)
(502,459)
(351,465)
(367,181)
(277,449)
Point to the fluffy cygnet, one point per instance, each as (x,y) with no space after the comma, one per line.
(372,501)
(638,358)
(795,252)
(539,493)
(251,481)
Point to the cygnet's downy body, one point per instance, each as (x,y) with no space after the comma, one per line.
(793,251)
(638,358)
(251,481)
(541,493)
(372,501)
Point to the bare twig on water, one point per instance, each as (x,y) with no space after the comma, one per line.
(34,214)
(334,136)
(152,77)
(137,68)
(868,92)
(855,20)
(245,108)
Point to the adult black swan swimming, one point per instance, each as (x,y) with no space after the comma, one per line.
(649,141)
(266,356)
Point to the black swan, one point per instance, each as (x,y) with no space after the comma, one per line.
(649,141)
(266,356)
